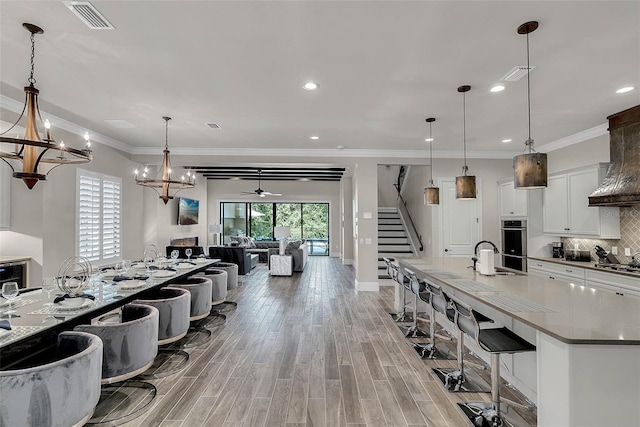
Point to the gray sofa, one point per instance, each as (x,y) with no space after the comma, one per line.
(299,256)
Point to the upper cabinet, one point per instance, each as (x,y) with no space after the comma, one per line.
(513,203)
(566,210)
(5,195)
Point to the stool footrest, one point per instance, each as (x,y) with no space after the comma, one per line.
(466,381)
(430,351)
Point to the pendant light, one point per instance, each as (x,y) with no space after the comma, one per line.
(465,184)
(431,193)
(165,186)
(34,156)
(530,168)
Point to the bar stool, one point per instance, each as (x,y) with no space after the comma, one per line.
(232,273)
(130,345)
(200,288)
(495,341)
(458,380)
(439,303)
(416,286)
(173,306)
(219,279)
(62,392)
(403,281)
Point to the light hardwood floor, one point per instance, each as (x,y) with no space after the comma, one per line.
(306,350)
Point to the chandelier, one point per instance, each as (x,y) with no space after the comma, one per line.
(31,158)
(166,185)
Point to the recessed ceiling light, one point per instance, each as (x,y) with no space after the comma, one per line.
(506,140)
(314,137)
(429,139)
(340,147)
(625,89)
(304,179)
(497,88)
(311,86)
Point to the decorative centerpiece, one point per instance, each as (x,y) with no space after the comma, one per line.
(73,277)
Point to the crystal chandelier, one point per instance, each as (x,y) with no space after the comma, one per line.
(32,157)
(166,187)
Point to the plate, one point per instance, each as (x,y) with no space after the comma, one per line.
(131,284)
(184,266)
(139,266)
(201,260)
(72,304)
(163,273)
(109,274)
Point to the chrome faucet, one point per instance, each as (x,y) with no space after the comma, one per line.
(475,251)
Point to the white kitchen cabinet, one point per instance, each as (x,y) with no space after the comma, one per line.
(565,205)
(513,203)
(5,196)
(562,272)
(618,284)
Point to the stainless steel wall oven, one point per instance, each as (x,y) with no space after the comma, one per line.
(514,244)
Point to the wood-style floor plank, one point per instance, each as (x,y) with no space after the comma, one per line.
(309,351)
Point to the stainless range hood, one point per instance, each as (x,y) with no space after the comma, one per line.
(621,186)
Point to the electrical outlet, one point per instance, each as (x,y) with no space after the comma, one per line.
(614,250)
(627,251)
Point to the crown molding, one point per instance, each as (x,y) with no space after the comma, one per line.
(282,152)
(576,138)
(14,106)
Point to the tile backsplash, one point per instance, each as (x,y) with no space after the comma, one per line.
(629,236)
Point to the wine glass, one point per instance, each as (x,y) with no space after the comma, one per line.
(49,285)
(126,265)
(175,254)
(188,251)
(9,292)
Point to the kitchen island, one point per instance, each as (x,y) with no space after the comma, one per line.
(587,363)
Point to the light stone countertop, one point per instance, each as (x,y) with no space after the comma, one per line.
(577,315)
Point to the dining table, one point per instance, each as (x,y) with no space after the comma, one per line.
(36,321)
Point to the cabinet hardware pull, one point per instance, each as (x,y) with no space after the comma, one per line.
(551,277)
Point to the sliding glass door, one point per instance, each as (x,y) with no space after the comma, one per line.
(309,221)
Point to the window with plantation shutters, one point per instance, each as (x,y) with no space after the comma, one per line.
(98,216)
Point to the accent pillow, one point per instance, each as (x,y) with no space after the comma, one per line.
(294,244)
(252,243)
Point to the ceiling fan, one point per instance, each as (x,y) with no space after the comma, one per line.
(260,192)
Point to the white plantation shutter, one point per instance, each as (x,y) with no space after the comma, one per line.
(110,219)
(98,220)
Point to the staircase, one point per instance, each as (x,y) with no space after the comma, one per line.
(392,239)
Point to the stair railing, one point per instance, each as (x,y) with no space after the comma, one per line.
(402,205)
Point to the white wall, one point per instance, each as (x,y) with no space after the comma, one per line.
(165,226)
(43,219)
(346,218)
(292,191)
(387,194)
(585,153)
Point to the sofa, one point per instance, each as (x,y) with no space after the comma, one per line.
(234,254)
(299,255)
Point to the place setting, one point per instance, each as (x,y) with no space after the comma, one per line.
(74,276)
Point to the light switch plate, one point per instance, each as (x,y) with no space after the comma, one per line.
(614,250)
(367,215)
(368,241)
(627,251)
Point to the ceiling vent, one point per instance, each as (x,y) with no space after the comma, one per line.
(516,73)
(213,125)
(89,15)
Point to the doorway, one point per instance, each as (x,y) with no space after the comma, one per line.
(460,220)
